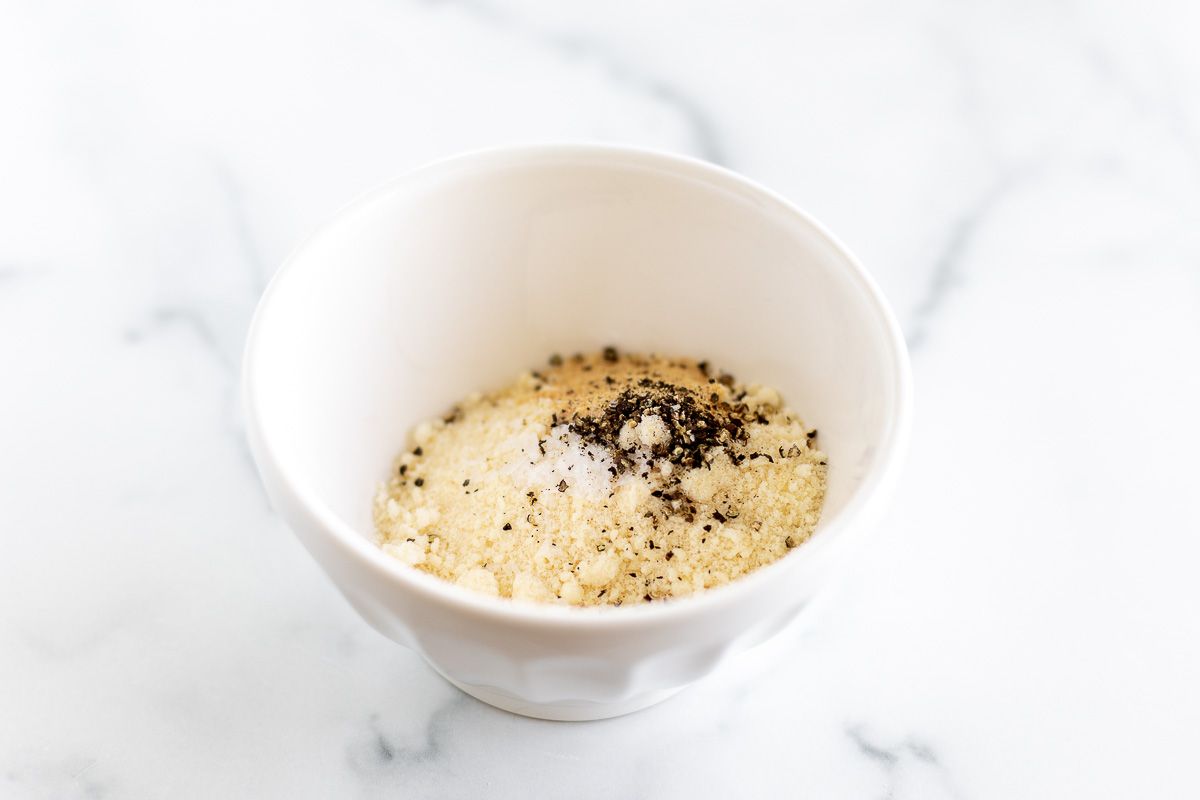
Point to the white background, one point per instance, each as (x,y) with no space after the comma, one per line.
(1022,178)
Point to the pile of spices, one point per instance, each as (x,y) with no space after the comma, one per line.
(605,479)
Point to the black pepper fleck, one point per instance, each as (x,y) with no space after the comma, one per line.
(694,427)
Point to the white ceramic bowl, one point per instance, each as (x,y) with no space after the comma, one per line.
(456,277)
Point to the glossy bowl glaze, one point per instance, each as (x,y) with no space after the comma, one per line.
(454,278)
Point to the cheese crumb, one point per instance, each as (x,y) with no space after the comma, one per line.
(479,580)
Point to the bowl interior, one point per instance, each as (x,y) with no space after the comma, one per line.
(457,277)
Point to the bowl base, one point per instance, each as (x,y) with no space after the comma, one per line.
(567,710)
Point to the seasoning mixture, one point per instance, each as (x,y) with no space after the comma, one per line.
(605,479)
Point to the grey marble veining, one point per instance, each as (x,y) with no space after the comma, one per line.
(948,267)
(572,45)
(1024,182)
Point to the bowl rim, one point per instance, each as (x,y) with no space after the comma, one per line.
(874,489)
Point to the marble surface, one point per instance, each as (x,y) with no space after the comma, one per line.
(1023,179)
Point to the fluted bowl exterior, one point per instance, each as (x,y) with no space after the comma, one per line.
(455,277)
